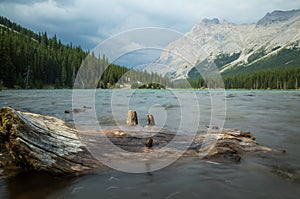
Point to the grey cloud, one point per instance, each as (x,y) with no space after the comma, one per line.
(21,1)
(86,22)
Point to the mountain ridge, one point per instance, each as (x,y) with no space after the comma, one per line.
(212,40)
(277,16)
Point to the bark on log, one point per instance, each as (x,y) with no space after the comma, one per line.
(45,143)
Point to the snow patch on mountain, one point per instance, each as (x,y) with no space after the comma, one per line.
(212,38)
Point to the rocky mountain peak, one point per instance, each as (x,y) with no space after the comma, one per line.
(230,45)
(207,21)
(278,16)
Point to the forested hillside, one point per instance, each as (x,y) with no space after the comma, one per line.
(281,71)
(30,60)
(35,60)
(287,78)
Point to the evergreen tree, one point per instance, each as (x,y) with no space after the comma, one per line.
(30,60)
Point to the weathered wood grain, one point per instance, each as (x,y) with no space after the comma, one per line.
(43,143)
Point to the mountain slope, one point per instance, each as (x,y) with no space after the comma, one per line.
(30,60)
(234,48)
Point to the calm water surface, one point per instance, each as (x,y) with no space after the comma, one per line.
(272,116)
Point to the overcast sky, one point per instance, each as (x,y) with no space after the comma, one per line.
(88,22)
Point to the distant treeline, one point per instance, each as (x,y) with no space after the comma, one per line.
(114,76)
(268,79)
(30,60)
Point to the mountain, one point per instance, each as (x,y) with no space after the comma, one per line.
(273,42)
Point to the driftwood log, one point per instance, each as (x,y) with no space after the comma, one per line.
(43,143)
(36,142)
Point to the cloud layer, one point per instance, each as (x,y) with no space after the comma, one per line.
(88,22)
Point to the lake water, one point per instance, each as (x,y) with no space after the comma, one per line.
(272,116)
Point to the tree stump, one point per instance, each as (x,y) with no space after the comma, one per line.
(150,120)
(132,119)
(149,143)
